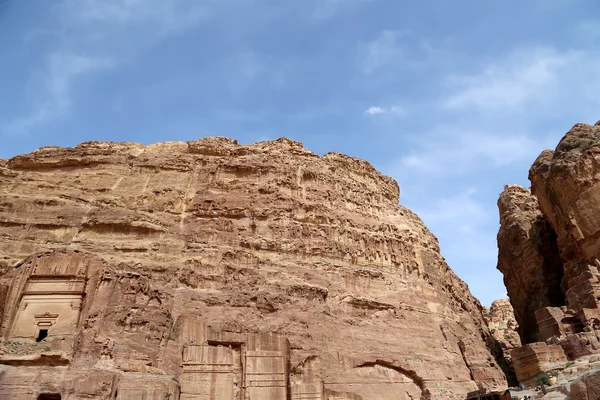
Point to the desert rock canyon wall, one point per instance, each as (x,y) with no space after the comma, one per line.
(213,270)
(549,252)
(500,318)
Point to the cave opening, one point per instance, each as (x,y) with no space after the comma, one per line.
(545,240)
(49,396)
(43,334)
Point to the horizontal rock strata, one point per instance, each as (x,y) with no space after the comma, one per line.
(216,270)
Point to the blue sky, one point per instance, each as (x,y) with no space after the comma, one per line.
(454,99)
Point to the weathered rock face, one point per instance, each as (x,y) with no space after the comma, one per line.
(549,251)
(567,184)
(500,318)
(528,257)
(211,270)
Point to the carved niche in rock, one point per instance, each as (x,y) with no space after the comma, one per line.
(47,295)
(232,366)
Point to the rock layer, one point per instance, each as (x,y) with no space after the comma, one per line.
(214,270)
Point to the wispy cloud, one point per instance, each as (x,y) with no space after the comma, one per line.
(56,91)
(465,222)
(456,152)
(459,211)
(244,71)
(375,110)
(381,52)
(529,75)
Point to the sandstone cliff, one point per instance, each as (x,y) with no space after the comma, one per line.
(214,270)
(503,326)
(549,252)
(566,182)
(528,257)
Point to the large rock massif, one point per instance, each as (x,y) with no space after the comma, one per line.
(549,251)
(212,270)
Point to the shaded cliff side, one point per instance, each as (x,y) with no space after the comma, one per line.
(528,257)
(549,253)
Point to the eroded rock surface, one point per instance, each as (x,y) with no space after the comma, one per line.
(549,251)
(212,270)
(503,326)
(528,256)
(567,184)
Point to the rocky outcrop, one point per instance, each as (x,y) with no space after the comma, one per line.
(500,318)
(567,184)
(528,256)
(549,250)
(214,270)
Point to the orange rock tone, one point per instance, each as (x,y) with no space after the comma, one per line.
(213,270)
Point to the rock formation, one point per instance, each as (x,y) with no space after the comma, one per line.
(213,270)
(549,250)
(500,318)
(528,257)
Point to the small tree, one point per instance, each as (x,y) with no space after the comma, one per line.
(542,379)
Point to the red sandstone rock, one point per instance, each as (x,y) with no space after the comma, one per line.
(191,270)
(556,298)
(566,183)
(500,319)
(528,257)
(534,358)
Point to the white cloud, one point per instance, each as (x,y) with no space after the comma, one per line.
(533,75)
(381,52)
(55,92)
(456,152)
(374,110)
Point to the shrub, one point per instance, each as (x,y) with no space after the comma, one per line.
(542,379)
(584,145)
